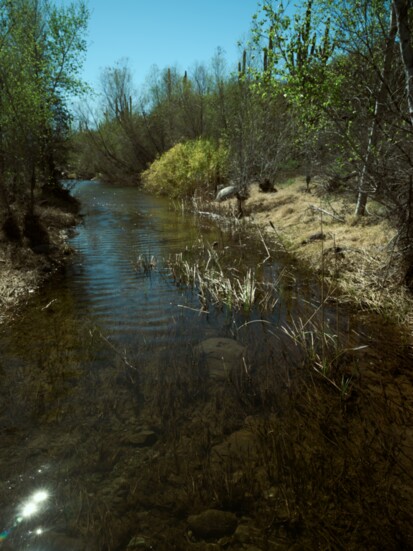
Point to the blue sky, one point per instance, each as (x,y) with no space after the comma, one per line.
(163,33)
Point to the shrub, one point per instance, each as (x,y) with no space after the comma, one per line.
(191,168)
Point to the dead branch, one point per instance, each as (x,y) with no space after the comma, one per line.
(339,218)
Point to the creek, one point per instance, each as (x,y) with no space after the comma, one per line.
(93,386)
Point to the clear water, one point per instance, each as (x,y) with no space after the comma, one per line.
(71,367)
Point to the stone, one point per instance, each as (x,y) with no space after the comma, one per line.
(243,534)
(213,523)
(226,193)
(242,443)
(319,236)
(220,354)
(141,439)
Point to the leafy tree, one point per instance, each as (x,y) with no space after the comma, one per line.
(365,32)
(296,53)
(335,63)
(132,130)
(41,48)
(259,133)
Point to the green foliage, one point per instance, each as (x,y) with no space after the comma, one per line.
(189,168)
(296,59)
(41,53)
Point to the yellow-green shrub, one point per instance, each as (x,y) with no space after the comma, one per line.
(189,168)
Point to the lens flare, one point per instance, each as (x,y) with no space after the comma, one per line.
(29,509)
(4,535)
(32,506)
(40,496)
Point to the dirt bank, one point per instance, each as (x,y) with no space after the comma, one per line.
(357,257)
(27,262)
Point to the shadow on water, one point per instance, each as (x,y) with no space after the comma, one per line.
(120,431)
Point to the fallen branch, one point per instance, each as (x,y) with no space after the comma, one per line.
(313,207)
(113,347)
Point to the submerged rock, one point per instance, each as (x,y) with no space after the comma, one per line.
(140,439)
(242,443)
(220,355)
(213,523)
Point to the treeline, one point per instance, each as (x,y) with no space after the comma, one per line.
(208,103)
(41,52)
(327,88)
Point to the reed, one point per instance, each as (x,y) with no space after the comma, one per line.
(322,351)
(145,264)
(221,285)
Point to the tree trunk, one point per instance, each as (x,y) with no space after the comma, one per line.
(401,7)
(378,114)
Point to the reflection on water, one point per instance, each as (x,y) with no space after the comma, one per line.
(79,413)
(31,507)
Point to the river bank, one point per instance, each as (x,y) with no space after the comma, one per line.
(26,264)
(357,257)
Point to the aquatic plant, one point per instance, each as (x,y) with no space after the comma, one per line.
(321,350)
(145,264)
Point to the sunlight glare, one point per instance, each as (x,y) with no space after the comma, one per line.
(29,509)
(32,506)
(40,496)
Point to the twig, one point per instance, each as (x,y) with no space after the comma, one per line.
(266,248)
(113,347)
(50,303)
(200,311)
(279,237)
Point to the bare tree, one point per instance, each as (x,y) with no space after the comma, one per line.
(379,111)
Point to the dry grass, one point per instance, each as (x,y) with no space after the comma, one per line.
(357,256)
(291,211)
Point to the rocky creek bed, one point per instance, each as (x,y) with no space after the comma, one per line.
(212,459)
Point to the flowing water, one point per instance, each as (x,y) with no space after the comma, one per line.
(75,390)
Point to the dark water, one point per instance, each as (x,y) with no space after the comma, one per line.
(70,368)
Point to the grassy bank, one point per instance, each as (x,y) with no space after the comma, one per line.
(357,257)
